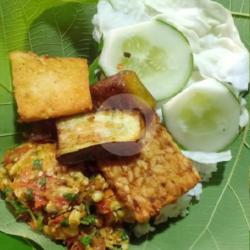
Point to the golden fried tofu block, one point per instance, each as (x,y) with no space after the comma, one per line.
(48,87)
(159,176)
(96,135)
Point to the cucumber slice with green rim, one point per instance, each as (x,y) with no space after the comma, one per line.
(156,51)
(203,117)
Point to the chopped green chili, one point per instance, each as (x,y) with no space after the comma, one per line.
(88,220)
(37,164)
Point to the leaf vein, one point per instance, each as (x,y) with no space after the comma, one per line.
(213,239)
(70,26)
(240,204)
(230,4)
(223,190)
(26,21)
(242,5)
(6,88)
(240,14)
(6,103)
(60,34)
(3,24)
(8,134)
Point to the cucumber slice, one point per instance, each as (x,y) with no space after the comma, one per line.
(157,52)
(203,117)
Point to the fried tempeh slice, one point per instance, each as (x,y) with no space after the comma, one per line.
(47,87)
(99,134)
(159,176)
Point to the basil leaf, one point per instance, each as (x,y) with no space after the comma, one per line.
(37,164)
(88,220)
(86,240)
(70,197)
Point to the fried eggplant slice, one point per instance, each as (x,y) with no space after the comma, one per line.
(125,82)
(41,132)
(98,135)
(47,87)
(159,176)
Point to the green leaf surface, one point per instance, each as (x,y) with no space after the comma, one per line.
(220,221)
(8,225)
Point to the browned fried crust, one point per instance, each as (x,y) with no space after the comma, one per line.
(111,92)
(106,131)
(47,87)
(158,177)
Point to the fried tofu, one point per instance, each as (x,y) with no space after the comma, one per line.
(97,135)
(159,176)
(47,87)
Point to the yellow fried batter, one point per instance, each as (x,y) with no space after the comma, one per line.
(49,87)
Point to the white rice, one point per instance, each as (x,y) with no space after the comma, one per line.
(205,170)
